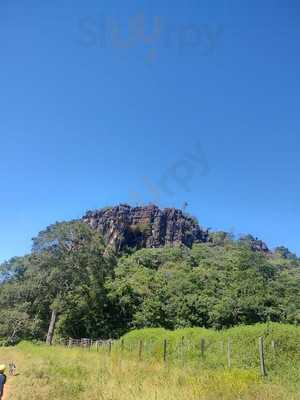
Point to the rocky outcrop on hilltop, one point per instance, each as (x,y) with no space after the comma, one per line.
(254,243)
(149,226)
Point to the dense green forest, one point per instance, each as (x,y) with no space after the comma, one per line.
(76,284)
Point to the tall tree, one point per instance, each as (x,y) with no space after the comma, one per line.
(69,256)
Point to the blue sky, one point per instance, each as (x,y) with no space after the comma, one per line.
(204,109)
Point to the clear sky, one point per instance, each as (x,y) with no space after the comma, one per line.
(104,102)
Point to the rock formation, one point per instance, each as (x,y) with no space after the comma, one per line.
(254,243)
(149,226)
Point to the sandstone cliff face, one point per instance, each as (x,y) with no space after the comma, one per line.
(149,226)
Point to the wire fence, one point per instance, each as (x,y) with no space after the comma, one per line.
(265,355)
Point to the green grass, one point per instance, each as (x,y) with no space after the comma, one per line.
(184,344)
(62,373)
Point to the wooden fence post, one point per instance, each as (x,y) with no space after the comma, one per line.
(122,345)
(109,347)
(222,346)
(262,356)
(229,353)
(182,341)
(140,350)
(165,350)
(182,348)
(202,347)
(273,345)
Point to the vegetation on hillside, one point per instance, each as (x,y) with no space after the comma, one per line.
(72,282)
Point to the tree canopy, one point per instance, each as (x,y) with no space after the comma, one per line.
(73,280)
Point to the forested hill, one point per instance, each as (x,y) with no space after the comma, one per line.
(124,267)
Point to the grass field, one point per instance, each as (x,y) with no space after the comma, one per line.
(65,374)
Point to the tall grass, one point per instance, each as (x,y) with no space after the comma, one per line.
(65,374)
(282,343)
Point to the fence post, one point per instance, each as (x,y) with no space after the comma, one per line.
(262,356)
(202,347)
(109,347)
(140,350)
(165,350)
(182,348)
(122,345)
(222,346)
(229,353)
(273,345)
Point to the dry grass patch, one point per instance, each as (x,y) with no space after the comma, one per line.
(57,373)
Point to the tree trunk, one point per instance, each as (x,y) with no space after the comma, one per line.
(51,328)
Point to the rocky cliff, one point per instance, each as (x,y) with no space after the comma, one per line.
(148,226)
(254,243)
